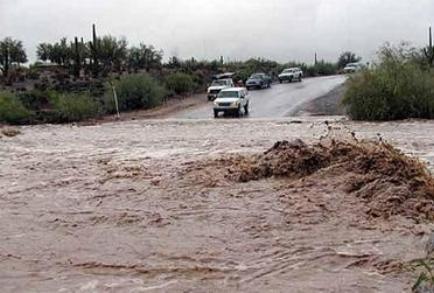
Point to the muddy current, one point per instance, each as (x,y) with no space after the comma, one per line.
(178,206)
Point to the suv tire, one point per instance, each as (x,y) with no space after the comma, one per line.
(238,112)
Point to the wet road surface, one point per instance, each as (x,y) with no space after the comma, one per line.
(111,208)
(281,100)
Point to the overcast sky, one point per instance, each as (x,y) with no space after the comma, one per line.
(236,29)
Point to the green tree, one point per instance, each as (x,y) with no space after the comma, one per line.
(347,57)
(174,63)
(112,52)
(43,51)
(59,52)
(144,57)
(11,51)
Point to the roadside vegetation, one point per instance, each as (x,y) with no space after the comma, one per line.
(399,86)
(72,79)
(139,91)
(180,83)
(12,111)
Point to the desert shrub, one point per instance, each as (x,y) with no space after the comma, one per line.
(180,83)
(57,107)
(73,107)
(36,99)
(139,91)
(12,111)
(321,68)
(396,88)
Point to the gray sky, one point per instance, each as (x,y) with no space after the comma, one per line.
(237,29)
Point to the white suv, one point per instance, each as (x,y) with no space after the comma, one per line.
(291,74)
(233,100)
(352,67)
(217,85)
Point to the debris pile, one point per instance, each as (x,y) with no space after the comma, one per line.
(390,182)
(10,132)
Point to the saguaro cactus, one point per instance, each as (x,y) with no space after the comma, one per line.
(77,58)
(94,47)
(429,51)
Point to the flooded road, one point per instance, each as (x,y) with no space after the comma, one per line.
(281,100)
(130,207)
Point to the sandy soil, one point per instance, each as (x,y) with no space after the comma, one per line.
(326,105)
(137,206)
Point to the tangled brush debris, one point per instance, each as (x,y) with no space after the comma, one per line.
(390,182)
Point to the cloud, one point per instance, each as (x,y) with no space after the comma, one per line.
(277,29)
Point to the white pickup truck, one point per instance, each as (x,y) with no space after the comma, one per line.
(217,86)
(352,67)
(232,100)
(291,74)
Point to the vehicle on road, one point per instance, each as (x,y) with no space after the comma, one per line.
(352,67)
(291,74)
(258,81)
(224,75)
(218,85)
(232,101)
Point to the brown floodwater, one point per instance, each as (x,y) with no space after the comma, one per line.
(131,207)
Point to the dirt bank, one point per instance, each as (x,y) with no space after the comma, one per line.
(170,107)
(141,206)
(326,105)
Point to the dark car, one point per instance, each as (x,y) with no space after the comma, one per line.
(258,81)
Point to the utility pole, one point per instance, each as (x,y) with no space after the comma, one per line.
(115,99)
(316,58)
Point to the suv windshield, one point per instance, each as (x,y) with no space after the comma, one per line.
(228,94)
(257,76)
(287,70)
(218,82)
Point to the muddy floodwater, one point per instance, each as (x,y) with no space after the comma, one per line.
(130,207)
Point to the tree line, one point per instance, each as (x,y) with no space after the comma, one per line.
(106,54)
(99,57)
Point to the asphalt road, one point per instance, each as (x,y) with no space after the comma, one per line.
(281,100)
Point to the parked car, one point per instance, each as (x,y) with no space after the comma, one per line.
(258,81)
(352,67)
(291,74)
(218,85)
(233,101)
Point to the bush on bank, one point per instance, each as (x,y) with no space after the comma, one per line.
(396,88)
(180,83)
(139,91)
(12,111)
(74,107)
